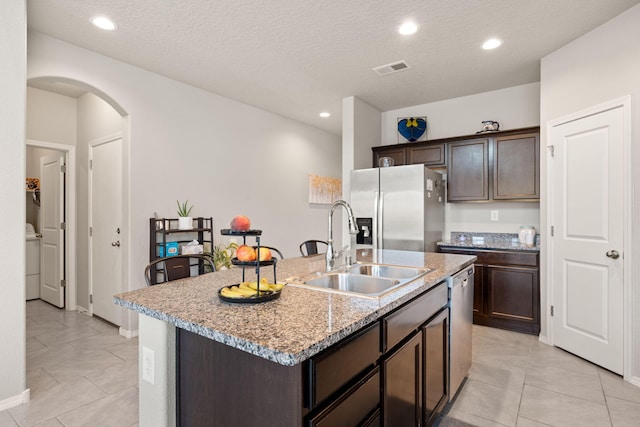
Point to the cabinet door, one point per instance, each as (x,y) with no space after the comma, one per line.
(514,298)
(402,401)
(399,156)
(468,171)
(435,367)
(516,167)
(430,155)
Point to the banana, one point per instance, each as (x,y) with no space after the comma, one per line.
(226,292)
(276,286)
(263,286)
(243,291)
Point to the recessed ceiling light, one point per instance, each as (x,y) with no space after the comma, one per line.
(491,44)
(103,23)
(407,28)
(324,114)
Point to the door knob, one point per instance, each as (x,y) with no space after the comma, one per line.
(613,254)
(117,243)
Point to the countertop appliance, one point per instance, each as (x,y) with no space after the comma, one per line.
(460,327)
(400,207)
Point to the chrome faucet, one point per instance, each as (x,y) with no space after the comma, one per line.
(353,229)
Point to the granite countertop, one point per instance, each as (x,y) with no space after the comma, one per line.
(489,241)
(294,327)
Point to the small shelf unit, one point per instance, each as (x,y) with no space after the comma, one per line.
(165,230)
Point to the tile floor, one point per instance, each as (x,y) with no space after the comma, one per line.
(79,370)
(82,373)
(517,381)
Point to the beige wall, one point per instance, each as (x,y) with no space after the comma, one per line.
(12,173)
(600,66)
(225,157)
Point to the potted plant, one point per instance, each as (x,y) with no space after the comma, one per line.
(222,255)
(185,222)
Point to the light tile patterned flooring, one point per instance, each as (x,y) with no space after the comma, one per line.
(517,381)
(82,373)
(79,370)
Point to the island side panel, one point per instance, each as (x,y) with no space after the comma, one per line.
(222,386)
(158,400)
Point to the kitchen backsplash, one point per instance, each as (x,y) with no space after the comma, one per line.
(488,239)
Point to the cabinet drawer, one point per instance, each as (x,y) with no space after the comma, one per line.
(357,405)
(399,324)
(331,370)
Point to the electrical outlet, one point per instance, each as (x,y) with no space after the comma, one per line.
(148,365)
(495,215)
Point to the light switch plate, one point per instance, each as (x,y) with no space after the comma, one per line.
(495,215)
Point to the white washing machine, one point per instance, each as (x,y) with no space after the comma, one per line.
(32,263)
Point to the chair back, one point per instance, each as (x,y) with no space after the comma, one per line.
(178,267)
(273,250)
(311,247)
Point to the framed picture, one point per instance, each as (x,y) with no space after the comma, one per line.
(412,129)
(324,190)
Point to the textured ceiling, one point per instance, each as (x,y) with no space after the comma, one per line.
(297,58)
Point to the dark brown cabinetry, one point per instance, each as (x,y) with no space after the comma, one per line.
(468,171)
(399,155)
(501,165)
(516,167)
(390,373)
(506,289)
(429,154)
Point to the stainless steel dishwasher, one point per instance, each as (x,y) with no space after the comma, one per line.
(460,327)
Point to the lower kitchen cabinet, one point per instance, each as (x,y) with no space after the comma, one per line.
(506,289)
(393,372)
(403,382)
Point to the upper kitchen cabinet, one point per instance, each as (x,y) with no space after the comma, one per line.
(426,153)
(397,153)
(468,171)
(516,167)
(501,166)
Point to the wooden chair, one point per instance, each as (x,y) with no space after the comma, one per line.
(178,267)
(310,247)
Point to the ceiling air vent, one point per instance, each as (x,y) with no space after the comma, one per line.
(394,67)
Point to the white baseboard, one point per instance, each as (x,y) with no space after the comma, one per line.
(23,397)
(635,381)
(544,339)
(81,309)
(126,333)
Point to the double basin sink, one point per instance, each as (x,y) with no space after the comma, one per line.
(366,280)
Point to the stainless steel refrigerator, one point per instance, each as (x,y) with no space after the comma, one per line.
(399,207)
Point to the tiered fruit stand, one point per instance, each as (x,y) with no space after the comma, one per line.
(261,295)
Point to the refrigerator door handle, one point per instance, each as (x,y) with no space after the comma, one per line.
(381,222)
(374,226)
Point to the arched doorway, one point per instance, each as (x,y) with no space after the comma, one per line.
(65,113)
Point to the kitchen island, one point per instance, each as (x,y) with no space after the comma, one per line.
(248,364)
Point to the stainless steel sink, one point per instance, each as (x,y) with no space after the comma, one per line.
(353,283)
(392,271)
(365,280)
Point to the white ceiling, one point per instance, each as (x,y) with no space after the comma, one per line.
(297,58)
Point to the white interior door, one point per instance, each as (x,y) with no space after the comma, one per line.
(106,225)
(588,219)
(51,216)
